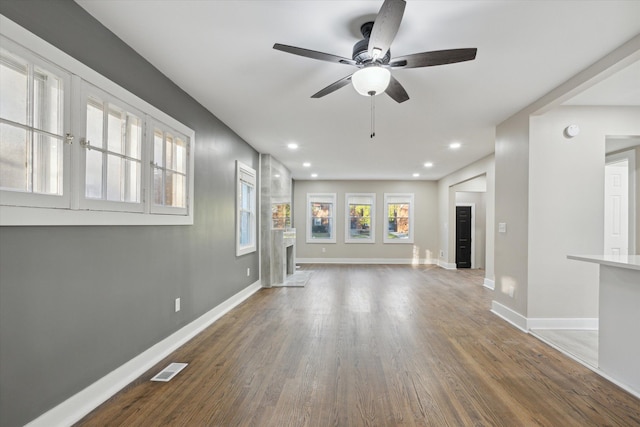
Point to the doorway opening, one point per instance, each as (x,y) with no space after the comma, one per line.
(465,232)
(620,203)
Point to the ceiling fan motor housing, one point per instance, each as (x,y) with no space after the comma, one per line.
(361,48)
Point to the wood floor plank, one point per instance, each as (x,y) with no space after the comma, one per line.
(370,346)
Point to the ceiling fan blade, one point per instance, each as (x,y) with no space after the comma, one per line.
(313,54)
(333,87)
(385,27)
(436,57)
(396,91)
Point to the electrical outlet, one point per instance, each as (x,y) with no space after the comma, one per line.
(441,252)
(511,289)
(324,250)
(177,305)
(248,271)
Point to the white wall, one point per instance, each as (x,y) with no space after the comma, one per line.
(425,237)
(566,206)
(512,179)
(446,210)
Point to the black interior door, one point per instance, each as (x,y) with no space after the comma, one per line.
(463,236)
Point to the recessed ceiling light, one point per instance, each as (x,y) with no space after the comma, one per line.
(306,164)
(415,175)
(276,175)
(428,165)
(292,146)
(314,175)
(455,145)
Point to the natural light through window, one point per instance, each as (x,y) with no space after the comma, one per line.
(321,217)
(399,215)
(360,218)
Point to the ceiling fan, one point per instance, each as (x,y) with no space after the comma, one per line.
(373,57)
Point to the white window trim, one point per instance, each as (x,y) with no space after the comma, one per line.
(321,198)
(71,214)
(399,198)
(247,174)
(44,200)
(163,209)
(347,223)
(85,203)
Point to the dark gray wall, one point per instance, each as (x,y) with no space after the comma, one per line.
(77,302)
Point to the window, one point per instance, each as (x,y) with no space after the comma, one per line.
(77,149)
(34,113)
(281,215)
(320,218)
(169,170)
(246,210)
(360,218)
(399,215)
(112,153)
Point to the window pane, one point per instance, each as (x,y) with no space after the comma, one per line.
(158,187)
(360,220)
(93,176)
(14,87)
(132,181)
(169,151)
(114,178)
(321,228)
(181,155)
(47,102)
(245,228)
(246,196)
(398,220)
(321,210)
(175,193)
(94,123)
(47,164)
(115,130)
(14,158)
(134,137)
(157,147)
(281,215)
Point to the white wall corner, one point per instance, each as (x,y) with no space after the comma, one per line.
(490,284)
(77,406)
(513,317)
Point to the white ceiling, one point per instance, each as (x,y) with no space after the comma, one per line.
(220,52)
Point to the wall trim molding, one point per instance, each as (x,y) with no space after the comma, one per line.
(511,316)
(589,323)
(526,324)
(490,284)
(402,261)
(80,404)
(447,265)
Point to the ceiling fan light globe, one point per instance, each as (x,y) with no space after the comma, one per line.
(371,79)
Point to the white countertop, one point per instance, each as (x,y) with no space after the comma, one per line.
(631,262)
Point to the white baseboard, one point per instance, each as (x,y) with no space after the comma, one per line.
(526,324)
(488,283)
(77,406)
(447,265)
(398,261)
(587,323)
(515,318)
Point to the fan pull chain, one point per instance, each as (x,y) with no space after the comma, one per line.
(373,115)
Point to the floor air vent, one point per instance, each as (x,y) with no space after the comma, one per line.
(169,372)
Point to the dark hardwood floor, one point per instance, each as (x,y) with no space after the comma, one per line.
(370,346)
